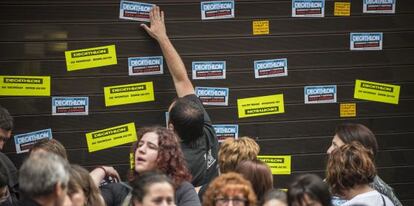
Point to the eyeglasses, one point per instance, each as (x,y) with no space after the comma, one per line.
(226,201)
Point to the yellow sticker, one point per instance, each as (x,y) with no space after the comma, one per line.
(259,106)
(131,161)
(25,85)
(129,93)
(377,92)
(279,165)
(90,57)
(260,27)
(347,110)
(342,9)
(111,137)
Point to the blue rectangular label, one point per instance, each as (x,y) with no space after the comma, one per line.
(24,142)
(209,69)
(320,94)
(224,131)
(135,10)
(270,68)
(145,65)
(308,8)
(217,9)
(366,41)
(213,95)
(70,105)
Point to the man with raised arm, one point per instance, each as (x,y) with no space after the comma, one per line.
(187,116)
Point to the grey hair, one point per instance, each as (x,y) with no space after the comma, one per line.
(40,173)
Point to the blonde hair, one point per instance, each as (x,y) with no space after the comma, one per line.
(233,151)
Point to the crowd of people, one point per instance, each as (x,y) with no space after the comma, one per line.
(184,164)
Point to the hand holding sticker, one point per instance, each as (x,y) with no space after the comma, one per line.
(157,25)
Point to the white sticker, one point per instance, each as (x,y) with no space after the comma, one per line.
(70,105)
(145,65)
(24,142)
(209,69)
(217,9)
(135,10)
(366,41)
(224,131)
(320,94)
(308,8)
(270,68)
(379,6)
(213,95)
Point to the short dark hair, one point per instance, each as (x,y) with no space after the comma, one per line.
(141,184)
(6,120)
(312,186)
(188,119)
(351,132)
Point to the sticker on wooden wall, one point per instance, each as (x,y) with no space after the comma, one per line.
(217,9)
(347,110)
(320,94)
(135,10)
(308,8)
(224,131)
(270,68)
(70,105)
(90,57)
(24,142)
(145,65)
(209,69)
(167,119)
(342,9)
(111,137)
(378,92)
(25,85)
(213,95)
(279,165)
(379,6)
(366,41)
(129,93)
(260,106)
(131,161)
(261,27)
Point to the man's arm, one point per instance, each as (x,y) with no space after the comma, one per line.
(182,83)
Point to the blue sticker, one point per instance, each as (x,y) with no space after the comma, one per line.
(308,8)
(70,105)
(145,65)
(270,68)
(209,69)
(379,6)
(366,41)
(320,94)
(213,95)
(217,9)
(224,131)
(24,142)
(135,10)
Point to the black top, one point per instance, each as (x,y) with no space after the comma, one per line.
(114,193)
(12,174)
(28,202)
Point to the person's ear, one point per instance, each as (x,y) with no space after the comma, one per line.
(59,190)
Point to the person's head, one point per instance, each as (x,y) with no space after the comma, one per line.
(351,132)
(49,145)
(44,176)
(349,166)
(275,197)
(233,151)
(259,175)
(186,119)
(229,187)
(152,189)
(158,148)
(307,190)
(6,126)
(81,188)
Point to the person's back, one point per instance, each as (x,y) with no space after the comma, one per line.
(372,198)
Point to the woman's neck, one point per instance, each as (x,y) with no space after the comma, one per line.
(357,190)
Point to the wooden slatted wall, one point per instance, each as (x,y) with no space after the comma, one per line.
(35,34)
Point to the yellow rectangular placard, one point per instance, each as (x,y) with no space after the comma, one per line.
(90,57)
(111,137)
(129,93)
(25,85)
(131,160)
(342,9)
(261,27)
(347,110)
(377,92)
(279,165)
(259,106)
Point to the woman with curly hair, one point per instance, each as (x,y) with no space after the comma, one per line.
(229,187)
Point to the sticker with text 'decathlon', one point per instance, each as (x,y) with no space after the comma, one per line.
(379,6)
(224,131)
(270,68)
(111,137)
(320,94)
(366,41)
(24,142)
(308,8)
(209,69)
(129,93)
(70,105)
(145,65)
(378,92)
(24,85)
(90,57)
(213,95)
(260,106)
(217,9)
(136,11)
(279,165)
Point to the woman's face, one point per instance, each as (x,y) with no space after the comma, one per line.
(158,194)
(146,153)
(307,201)
(336,142)
(78,198)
